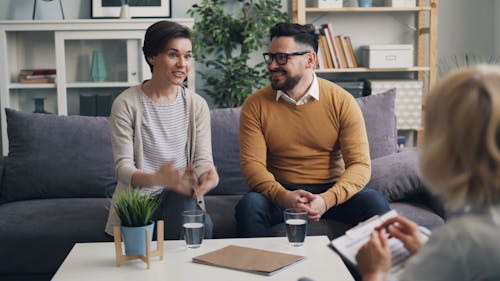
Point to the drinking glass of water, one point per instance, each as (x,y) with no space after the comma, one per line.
(193,224)
(296,226)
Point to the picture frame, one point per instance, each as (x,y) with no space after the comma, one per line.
(137,8)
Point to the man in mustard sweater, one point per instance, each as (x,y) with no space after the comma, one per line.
(303,142)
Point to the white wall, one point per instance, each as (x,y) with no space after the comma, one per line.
(496,23)
(73,9)
(467,26)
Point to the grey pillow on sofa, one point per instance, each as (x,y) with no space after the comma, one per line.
(53,156)
(380,119)
(225,123)
(396,175)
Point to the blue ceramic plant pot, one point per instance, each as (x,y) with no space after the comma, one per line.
(134,239)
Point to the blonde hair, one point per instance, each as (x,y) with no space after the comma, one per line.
(461,154)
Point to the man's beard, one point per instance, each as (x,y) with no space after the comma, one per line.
(288,84)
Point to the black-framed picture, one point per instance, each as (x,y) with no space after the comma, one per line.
(137,8)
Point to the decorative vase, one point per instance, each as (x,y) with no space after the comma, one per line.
(39,105)
(365,3)
(125,12)
(134,239)
(98,69)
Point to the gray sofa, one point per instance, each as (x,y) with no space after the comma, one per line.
(58,177)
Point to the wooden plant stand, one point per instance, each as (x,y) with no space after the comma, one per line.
(121,257)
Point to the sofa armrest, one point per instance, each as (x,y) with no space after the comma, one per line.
(2,168)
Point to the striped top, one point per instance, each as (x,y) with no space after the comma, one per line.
(164,135)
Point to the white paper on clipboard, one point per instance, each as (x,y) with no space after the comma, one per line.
(349,244)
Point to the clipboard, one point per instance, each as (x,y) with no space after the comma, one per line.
(348,245)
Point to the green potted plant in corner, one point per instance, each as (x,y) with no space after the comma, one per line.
(135,212)
(227,34)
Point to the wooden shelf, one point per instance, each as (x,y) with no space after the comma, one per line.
(365,69)
(100,85)
(366,10)
(32,86)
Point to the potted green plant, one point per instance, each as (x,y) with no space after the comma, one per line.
(227,34)
(135,211)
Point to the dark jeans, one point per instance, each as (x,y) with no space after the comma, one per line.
(170,211)
(255,214)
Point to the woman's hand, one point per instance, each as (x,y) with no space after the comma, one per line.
(374,258)
(170,178)
(404,230)
(208,181)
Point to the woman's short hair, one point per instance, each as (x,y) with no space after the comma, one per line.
(461,154)
(158,36)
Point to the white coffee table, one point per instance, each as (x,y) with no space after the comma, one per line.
(96,261)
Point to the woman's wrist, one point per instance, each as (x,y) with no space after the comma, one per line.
(375,276)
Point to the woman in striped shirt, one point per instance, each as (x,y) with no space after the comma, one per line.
(161,132)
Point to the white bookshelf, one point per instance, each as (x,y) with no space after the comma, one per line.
(67,46)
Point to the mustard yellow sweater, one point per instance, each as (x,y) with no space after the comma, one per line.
(305,144)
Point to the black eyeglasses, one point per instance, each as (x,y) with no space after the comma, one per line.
(281,58)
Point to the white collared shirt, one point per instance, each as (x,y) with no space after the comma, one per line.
(312,93)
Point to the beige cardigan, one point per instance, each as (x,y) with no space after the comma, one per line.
(126,119)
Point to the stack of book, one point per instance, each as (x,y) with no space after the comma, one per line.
(335,51)
(40,75)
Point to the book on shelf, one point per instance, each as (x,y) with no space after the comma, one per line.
(41,75)
(319,59)
(326,53)
(36,80)
(351,51)
(38,71)
(330,47)
(346,52)
(329,29)
(341,50)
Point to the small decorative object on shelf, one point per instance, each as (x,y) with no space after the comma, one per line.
(125,10)
(350,3)
(40,105)
(98,69)
(60,7)
(365,3)
(326,3)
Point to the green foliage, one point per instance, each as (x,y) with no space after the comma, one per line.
(227,33)
(135,209)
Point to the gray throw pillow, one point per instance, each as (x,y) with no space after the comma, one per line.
(53,156)
(396,175)
(225,124)
(380,119)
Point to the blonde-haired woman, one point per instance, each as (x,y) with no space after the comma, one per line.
(461,162)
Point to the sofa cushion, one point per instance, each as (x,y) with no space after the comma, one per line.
(225,123)
(380,119)
(396,175)
(37,235)
(54,156)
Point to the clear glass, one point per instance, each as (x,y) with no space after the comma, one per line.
(296,226)
(193,228)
